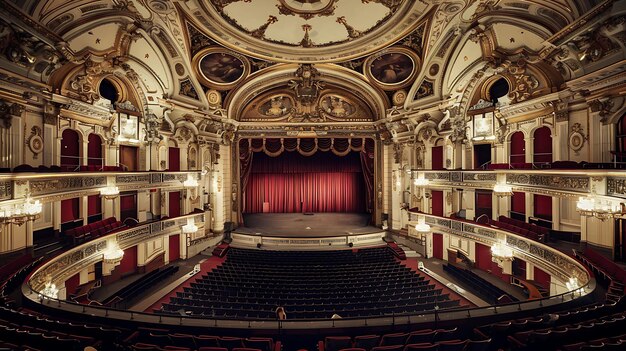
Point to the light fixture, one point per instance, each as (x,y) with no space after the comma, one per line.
(421,181)
(110,192)
(502,252)
(190,227)
(191,182)
(591,206)
(502,190)
(49,291)
(422,228)
(113,255)
(20,213)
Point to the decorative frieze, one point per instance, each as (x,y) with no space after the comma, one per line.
(6,190)
(562,182)
(479,177)
(616,186)
(437,176)
(137,178)
(48,186)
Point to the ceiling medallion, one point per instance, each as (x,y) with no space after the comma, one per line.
(307,9)
(393,68)
(219,68)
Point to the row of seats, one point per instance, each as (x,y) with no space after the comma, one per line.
(351,283)
(602,266)
(523,333)
(155,339)
(139,286)
(64,168)
(557,165)
(478,285)
(93,230)
(425,339)
(528,230)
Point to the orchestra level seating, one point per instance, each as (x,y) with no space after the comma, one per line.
(350,283)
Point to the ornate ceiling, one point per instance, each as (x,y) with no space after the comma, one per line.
(391,67)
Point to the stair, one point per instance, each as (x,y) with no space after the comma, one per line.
(408,252)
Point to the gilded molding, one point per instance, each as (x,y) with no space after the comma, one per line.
(570,183)
(48,186)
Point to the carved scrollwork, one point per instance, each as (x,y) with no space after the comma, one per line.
(571,183)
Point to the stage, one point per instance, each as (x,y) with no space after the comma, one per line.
(298,225)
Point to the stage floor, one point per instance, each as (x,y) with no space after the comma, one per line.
(298,225)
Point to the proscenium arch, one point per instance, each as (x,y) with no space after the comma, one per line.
(281,74)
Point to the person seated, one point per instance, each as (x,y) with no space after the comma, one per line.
(280,313)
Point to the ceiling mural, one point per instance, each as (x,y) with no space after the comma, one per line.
(286,65)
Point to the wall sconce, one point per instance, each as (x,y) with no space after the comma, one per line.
(421,227)
(191,183)
(502,190)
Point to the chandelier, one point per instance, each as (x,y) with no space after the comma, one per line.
(502,252)
(502,190)
(109,192)
(190,182)
(113,255)
(422,228)
(190,227)
(591,206)
(49,291)
(20,213)
(421,181)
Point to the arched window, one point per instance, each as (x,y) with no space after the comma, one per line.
(70,149)
(517,150)
(542,146)
(94,151)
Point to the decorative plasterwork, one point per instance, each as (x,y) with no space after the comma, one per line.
(569,183)
(8,111)
(6,190)
(281,37)
(616,187)
(577,138)
(55,185)
(34,141)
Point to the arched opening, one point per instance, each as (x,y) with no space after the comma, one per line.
(108,91)
(542,146)
(498,90)
(517,150)
(94,151)
(70,149)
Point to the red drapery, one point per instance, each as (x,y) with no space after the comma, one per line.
(292,182)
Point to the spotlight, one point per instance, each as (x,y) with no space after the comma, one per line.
(350,244)
(258,245)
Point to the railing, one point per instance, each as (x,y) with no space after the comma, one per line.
(547,258)
(34,284)
(559,183)
(73,184)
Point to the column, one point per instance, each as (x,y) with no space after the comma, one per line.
(84,153)
(217,199)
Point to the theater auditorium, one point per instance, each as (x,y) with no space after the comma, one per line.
(312,175)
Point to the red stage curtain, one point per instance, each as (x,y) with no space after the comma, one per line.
(94,150)
(437,156)
(518,147)
(542,145)
(295,183)
(437,202)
